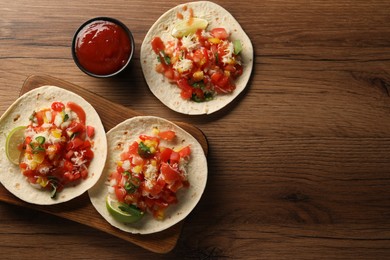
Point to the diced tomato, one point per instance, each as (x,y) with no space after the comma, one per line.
(157,45)
(88,154)
(75,127)
(120,193)
(84,173)
(86,145)
(76,175)
(137,160)
(238,71)
(160,68)
(133,148)
(169,74)
(29,173)
(158,186)
(39,116)
(57,106)
(90,131)
(230,68)
(125,156)
(167,135)
(74,144)
(68,176)
(78,110)
(185,151)
(69,154)
(68,165)
(186,89)
(175,157)
(219,33)
(175,186)
(198,93)
(23,165)
(169,174)
(165,155)
(132,198)
(215,77)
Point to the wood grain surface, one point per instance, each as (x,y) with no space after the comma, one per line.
(299,165)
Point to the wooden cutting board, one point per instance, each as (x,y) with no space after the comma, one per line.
(80,209)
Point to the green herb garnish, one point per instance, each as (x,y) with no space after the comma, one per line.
(132,185)
(144,151)
(40,139)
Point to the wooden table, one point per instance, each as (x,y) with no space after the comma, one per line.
(299,166)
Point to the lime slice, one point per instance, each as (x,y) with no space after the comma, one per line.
(183,28)
(123,212)
(14,139)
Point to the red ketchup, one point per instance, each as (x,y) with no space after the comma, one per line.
(102,47)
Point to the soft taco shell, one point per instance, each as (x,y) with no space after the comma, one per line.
(18,115)
(168,93)
(119,138)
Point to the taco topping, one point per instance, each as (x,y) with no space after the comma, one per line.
(148,174)
(57,147)
(202,63)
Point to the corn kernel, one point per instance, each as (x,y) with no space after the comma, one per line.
(119,163)
(33,165)
(159,214)
(198,75)
(56,133)
(38,157)
(153,162)
(42,181)
(214,40)
(227,73)
(137,169)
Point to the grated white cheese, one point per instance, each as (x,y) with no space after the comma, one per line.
(183,166)
(76,158)
(183,65)
(126,165)
(190,42)
(227,58)
(150,172)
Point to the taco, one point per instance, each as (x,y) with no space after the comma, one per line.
(154,176)
(60,150)
(196,58)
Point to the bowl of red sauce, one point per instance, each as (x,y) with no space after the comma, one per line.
(102,47)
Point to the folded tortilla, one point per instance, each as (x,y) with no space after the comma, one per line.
(119,138)
(168,93)
(18,115)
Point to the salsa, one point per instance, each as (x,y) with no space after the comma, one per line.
(102,47)
(57,147)
(202,64)
(148,174)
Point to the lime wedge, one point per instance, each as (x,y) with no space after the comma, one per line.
(14,139)
(183,28)
(123,212)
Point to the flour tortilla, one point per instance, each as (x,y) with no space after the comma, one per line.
(169,94)
(18,115)
(119,138)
